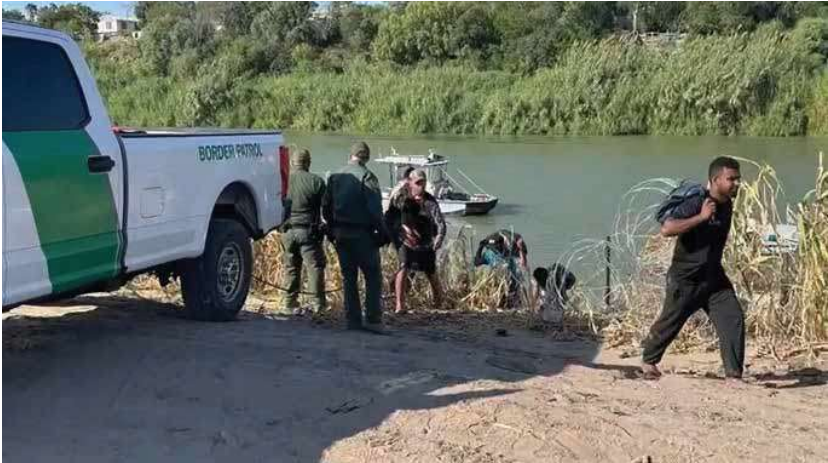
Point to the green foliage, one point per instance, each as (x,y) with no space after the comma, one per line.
(169,37)
(769,82)
(734,17)
(77,20)
(358,25)
(584,20)
(472,67)
(818,109)
(653,16)
(545,30)
(148,12)
(283,22)
(424,31)
(13,15)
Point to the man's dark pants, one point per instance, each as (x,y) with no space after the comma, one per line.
(359,252)
(717,299)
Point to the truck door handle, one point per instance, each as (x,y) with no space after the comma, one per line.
(100,164)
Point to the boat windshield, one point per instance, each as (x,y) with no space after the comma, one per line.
(435,175)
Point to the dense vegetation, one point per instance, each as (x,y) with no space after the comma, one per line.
(462,67)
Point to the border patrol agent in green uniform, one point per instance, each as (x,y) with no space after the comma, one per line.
(303,235)
(353,209)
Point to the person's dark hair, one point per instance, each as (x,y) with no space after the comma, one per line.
(408,171)
(541,275)
(721,163)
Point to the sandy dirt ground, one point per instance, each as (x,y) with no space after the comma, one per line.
(113,379)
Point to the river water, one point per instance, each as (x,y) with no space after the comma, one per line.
(556,191)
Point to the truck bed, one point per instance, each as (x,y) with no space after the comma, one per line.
(175,177)
(130,132)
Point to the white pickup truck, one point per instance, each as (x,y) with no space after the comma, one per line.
(87,206)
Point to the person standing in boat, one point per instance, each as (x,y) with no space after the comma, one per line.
(418,229)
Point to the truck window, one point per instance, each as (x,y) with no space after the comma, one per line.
(40,89)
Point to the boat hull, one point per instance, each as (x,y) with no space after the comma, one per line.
(457,207)
(480,207)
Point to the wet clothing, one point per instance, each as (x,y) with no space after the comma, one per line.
(352,207)
(491,258)
(425,218)
(697,280)
(504,244)
(417,260)
(302,238)
(396,191)
(504,248)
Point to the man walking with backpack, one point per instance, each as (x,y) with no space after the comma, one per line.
(696,279)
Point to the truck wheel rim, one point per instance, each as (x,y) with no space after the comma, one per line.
(229,272)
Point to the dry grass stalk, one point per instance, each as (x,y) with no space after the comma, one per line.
(473,295)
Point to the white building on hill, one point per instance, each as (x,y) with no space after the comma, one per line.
(113,26)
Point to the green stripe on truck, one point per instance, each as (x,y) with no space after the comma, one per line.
(74,211)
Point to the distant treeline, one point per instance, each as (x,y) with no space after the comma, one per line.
(472,67)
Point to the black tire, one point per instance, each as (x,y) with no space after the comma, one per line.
(215,285)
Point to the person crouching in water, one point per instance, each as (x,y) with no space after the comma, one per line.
(418,229)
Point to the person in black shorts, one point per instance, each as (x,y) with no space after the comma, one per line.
(696,278)
(418,229)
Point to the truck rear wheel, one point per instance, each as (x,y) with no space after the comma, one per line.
(215,285)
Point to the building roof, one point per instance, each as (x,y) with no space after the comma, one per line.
(111,17)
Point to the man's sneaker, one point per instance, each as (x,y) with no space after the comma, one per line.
(649,372)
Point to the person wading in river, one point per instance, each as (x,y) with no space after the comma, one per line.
(696,278)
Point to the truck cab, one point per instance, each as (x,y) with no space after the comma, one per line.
(86,206)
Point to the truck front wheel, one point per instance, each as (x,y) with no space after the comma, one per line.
(215,285)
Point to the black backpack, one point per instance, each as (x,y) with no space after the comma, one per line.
(685,190)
